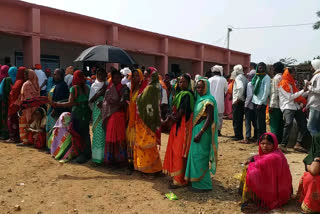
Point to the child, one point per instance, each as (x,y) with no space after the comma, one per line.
(36,131)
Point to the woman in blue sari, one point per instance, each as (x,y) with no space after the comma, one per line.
(204,141)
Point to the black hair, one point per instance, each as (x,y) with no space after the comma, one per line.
(253,64)
(143,68)
(291,69)
(208,74)
(41,111)
(187,77)
(278,67)
(133,71)
(267,137)
(100,70)
(262,64)
(115,72)
(61,73)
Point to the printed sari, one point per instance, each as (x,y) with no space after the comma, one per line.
(180,137)
(267,181)
(309,186)
(5,87)
(203,155)
(228,101)
(30,89)
(148,122)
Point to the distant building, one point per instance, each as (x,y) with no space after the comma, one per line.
(31,34)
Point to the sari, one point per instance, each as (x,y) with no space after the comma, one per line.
(132,111)
(14,105)
(203,156)
(309,185)
(114,119)
(37,134)
(228,101)
(148,122)
(99,135)
(5,87)
(180,137)
(29,90)
(267,181)
(60,140)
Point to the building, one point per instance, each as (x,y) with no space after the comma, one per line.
(31,34)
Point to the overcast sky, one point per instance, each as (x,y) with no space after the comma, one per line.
(207,20)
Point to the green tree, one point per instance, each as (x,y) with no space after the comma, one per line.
(316,26)
(287,61)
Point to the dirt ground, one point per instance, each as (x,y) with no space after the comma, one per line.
(32,182)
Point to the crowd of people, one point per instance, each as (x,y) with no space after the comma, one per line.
(129,108)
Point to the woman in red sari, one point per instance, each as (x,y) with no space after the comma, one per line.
(180,135)
(30,89)
(14,105)
(309,187)
(114,119)
(266,183)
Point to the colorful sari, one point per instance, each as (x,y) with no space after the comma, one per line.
(114,118)
(29,90)
(309,186)
(267,181)
(148,122)
(203,156)
(180,137)
(99,135)
(60,141)
(5,87)
(228,101)
(14,105)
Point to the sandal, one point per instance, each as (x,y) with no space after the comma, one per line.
(299,148)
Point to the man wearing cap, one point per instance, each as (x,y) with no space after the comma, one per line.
(218,89)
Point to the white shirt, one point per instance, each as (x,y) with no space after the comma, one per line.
(164,96)
(68,79)
(248,103)
(314,92)
(218,89)
(286,99)
(274,95)
(42,77)
(239,88)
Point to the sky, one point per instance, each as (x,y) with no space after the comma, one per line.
(207,21)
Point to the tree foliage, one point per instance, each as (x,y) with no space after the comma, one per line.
(316,26)
(288,61)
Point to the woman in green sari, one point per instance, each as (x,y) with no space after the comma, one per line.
(5,87)
(204,141)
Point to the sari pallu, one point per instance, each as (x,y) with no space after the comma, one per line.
(148,121)
(5,87)
(175,160)
(114,119)
(203,156)
(268,180)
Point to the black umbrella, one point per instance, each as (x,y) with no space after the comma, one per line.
(105,53)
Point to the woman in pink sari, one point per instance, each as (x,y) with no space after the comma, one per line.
(266,183)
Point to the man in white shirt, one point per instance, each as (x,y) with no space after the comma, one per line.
(218,89)
(238,99)
(42,79)
(249,112)
(291,103)
(314,99)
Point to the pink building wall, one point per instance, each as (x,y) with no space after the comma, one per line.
(35,23)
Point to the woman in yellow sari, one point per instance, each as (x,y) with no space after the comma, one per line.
(137,77)
(148,122)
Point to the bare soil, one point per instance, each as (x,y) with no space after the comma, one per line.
(32,182)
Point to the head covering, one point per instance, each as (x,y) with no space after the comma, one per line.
(4,72)
(257,79)
(199,111)
(125,71)
(15,92)
(233,75)
(316,65)
(13,74)
(217,68)
(238,69)
(69,70)
(285,83)
(33,79)
(314,151)
(78,78)
(48,71)
(269,177)
(38,66)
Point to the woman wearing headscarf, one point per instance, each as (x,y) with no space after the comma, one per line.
(30,89)
(5,85)
(309,186)
(148,121)
(202,158)
(114,120)
(59,93)
(228,99)
(69,76)
(80,119)
(14,105)
(180,135)
(96,96)
(266,183)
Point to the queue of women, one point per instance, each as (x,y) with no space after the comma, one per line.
(126,127)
